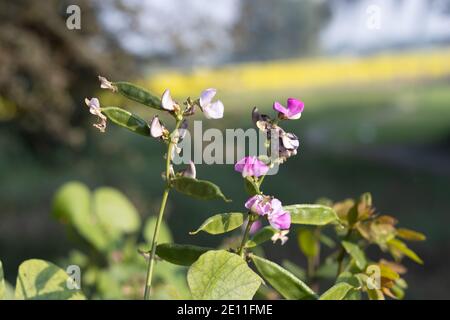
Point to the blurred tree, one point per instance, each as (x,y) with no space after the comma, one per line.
(46,69)
(270,29)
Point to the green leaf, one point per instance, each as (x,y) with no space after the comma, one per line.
(42,280)
(199,189)
(72,204)
(288,285)
(250,186)
(337,292)
(180,254)
(311,214)
(356,253)
(2,282)
(114,211)
(222,275)
(327,241)
(101,217)
(127,120)
(165,236)
(261,236)
(410,235)
(294,269)
(398,247)
(221,223)
(138,94)
(308,243)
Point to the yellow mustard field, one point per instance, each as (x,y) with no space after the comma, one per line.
(307,73)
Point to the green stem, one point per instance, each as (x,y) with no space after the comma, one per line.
(246,235)
(342,253)
(151,262)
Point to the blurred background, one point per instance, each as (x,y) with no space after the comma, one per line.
(374,76)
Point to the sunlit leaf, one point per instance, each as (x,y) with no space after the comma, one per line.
(127,120)
(308,243)
(399,248)
(221,223)
(180,254)
(72,205)
(337,292)
(222,275)
(311,214)
(2,282)
(115,211)
(288,285)
(42,280)
(199,189)
(410,235)
(356,253)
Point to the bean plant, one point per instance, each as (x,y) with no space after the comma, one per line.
(334,237)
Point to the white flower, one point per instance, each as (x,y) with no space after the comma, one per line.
(94,108)
(212,110)
(157,129)
(105,84)
(280,235)
(190,171)
(167,102)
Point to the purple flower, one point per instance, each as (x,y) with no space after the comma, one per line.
(212,110)
(255,227)
(272,208)
(259,204)
(251,166)
(280,219)
(293,111)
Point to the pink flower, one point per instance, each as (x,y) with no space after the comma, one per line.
(259,204)
(293,111)
(251,166)
(255,227)
(280,219)
(272,208)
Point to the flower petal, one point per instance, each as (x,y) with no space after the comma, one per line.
(280,219)
(295,108)
(214,110)
(279,107)
(206,97)
(239,166)
(167,102)
(190,171)
(156,128)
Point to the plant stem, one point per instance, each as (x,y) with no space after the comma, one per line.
(151,262)
(246,234)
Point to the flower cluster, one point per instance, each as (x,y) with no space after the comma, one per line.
(254,169)
(287,142)
(271,208)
